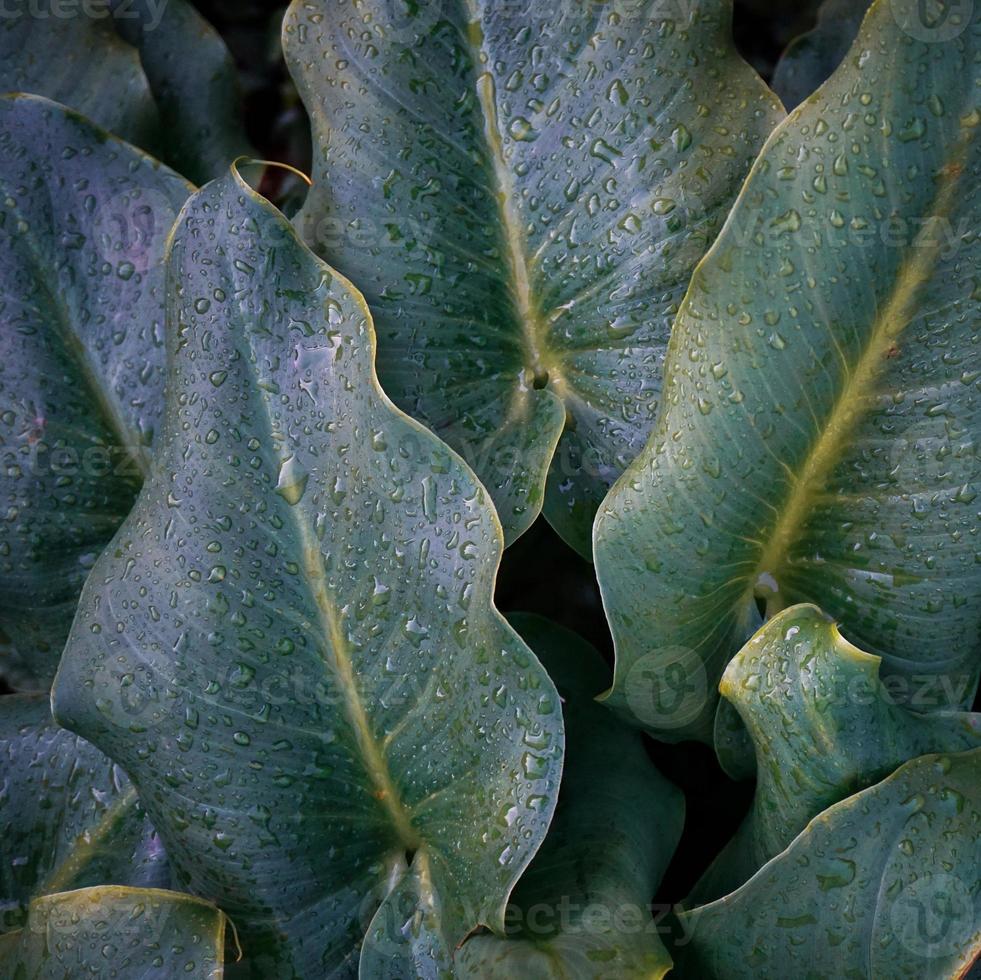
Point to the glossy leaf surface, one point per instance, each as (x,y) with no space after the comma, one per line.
(522,191)
(824,726)
(811,58)
(69,817)
(83,223)
(338,731)
(818,439)
(153,73)
(582,910)
(883,884)
(123,933)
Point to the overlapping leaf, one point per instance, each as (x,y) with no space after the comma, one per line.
(336,730)
(582,910)
(124,933)
(818,438)
(153,72)
(824,726)
(83,222)
(523,190)
(883,884)
(811,58)
(69,817)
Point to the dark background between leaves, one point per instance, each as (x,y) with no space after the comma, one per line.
(539,572)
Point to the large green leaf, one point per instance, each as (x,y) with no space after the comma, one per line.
(523,190)
(811,58)
(582,910)
(83,223)
(884,884)
(824,726)
(69,817)
(818,438)
(338,729)
(153,72)
(123,933)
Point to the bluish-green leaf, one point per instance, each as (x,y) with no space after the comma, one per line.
(811,58)
(83,223)
(522,191)
(331,726)
(122,933)
(69,817)
(818,438)
(823,725)
(582,910)
(153,72)
(881,885)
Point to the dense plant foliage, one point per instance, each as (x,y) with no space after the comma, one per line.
(273,456)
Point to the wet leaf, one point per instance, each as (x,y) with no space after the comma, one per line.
(818,438)
(522,191)
(124,933)
(153,72)
(69,817)
(331,726)
(824,725)
(582,910)
(811,58)
(83,222)
(884,882)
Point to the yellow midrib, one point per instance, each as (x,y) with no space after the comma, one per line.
(889,325)
(385,790)
(519,278)
(331,624)
(86,844)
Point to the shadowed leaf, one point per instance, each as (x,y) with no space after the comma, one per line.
(811,58)
(153,72)
(582,910)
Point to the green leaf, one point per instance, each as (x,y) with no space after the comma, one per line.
(818,436)
(523,190)
(84,220)
(799,684)
(194,83)
(154,73)
(125,933)
(582,910)
(811,58)
(69,817)
(883,884)
(301,605)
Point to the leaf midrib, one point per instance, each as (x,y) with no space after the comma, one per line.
(529,315)
(331,624)
(86,844)
(893,319)
(105,402)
